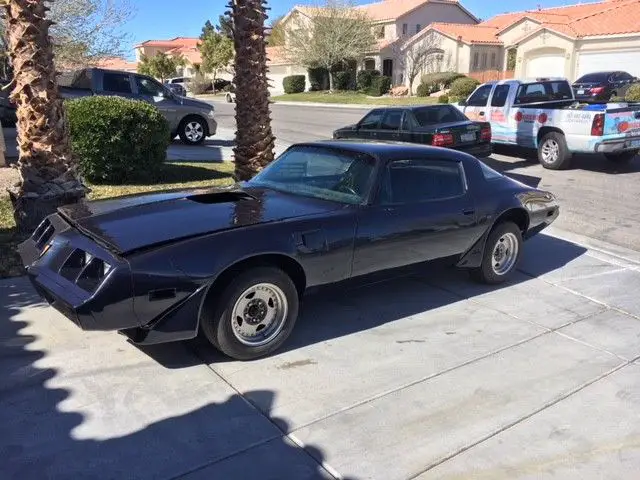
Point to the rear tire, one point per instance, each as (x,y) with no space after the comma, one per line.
(624,157)
(553,152)
(501,256)
(253,315)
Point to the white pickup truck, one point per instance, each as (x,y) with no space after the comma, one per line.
(543,114)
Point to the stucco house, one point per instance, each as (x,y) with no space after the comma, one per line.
(566,41)
(393,22)
(185,46)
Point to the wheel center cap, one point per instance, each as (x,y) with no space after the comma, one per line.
(255,312)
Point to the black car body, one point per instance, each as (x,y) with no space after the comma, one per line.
(602,86)
(155,267)
(437,125)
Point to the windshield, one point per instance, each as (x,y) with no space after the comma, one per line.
(319,172)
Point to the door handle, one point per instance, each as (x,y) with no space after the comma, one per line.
(469,212)
(481,114)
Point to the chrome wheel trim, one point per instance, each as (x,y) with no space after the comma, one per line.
(194,131)
(505,254)
(259,314)
(550,151)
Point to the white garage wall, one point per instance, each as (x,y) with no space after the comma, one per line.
(550,65)
(624,60)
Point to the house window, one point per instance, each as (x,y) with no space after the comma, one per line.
(476,60)
(493,60)
(484,60)
(418,28)
(380,33)
(405,28)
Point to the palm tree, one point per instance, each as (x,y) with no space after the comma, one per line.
(254,138)
(47,170)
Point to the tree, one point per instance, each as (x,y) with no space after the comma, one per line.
(161,65)
(277,35)
(225,25)
(423,56)
(87,30)
(47,168)
(207,30)
(216,51)
(254,139)
(338,33)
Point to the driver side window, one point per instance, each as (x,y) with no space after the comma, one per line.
(407,182)
(480,97)
(148,87)
(372,120)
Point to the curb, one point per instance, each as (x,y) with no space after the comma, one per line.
(350,106)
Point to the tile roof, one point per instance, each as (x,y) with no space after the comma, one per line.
(609,17)
(174,42)
(117,63)
(380,11)
(191,54)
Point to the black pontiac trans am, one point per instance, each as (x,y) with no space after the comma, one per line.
(235,262)
(435,125)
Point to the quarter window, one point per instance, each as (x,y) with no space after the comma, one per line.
(415,181)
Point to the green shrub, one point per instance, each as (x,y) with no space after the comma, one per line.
(318,79)
(294,83)
(117,140)
(440,80)
(443,99)
(365,78)
(617,99)
(454,99)
(380,86)
(633,93)
(344,80)
(199,85)
(463,87)
(423,90)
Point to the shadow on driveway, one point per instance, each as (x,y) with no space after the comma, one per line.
(40,439)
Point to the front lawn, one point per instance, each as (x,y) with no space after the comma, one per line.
(175,176)
(352,98)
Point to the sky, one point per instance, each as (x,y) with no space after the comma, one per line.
(161,19)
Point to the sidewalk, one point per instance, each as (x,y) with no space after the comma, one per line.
(428,376)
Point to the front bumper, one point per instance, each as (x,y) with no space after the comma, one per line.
(212,126)
(619,145)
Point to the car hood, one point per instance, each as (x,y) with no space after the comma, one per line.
(190,102)
(138,222)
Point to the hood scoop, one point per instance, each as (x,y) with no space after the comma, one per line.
(220,197)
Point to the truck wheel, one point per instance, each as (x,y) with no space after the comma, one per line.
(253,315)
(624,157)
(553,152)
(501,255)
(192,130)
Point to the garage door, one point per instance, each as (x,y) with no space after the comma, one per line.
(627,61)
(546,66)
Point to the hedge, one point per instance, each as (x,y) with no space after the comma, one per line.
(463,87)
(344,80)
(380,86)
(365,78)
(633,93)
(117,140)
(443,99)
(423,90)
(438,81)
(294,84)
(318,79)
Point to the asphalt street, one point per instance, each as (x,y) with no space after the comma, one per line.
(599,199)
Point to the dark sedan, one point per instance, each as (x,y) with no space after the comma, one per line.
(602,86)
(437,125)
(235,262)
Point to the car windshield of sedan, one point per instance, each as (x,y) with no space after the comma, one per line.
(318,172)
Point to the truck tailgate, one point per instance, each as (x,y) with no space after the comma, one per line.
(623,122)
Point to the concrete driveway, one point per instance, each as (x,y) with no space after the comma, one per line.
(424,376)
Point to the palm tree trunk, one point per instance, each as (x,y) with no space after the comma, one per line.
(254,139)
(48,176)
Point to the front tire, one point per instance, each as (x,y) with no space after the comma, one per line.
(624,157)
(192,130)
(254,315)
(553,152)
(502,253)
